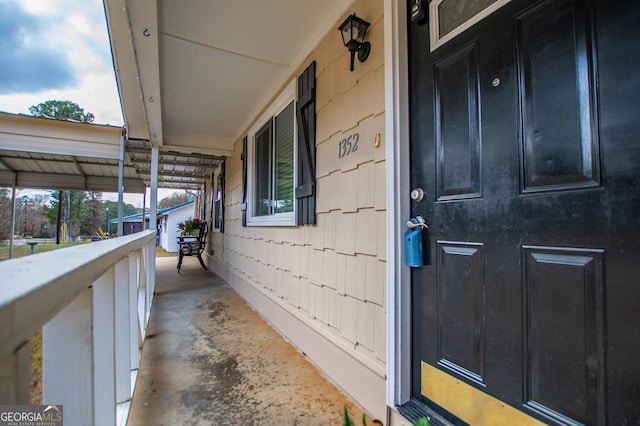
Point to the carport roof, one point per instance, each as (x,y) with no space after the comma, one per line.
(138,216)
(54,154)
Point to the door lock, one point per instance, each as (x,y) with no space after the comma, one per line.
(417,222)
(417,194)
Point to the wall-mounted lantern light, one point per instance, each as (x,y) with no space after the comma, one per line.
(353,31)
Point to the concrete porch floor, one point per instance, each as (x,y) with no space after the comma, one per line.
(209,359)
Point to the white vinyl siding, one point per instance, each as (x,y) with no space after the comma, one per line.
(170,230)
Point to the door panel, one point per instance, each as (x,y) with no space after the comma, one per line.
(524,137)
(461,308)
(560,143)
(457,113)
(564,318)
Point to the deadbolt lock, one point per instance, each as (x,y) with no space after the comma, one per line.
(417,194)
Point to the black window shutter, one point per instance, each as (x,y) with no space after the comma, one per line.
(243,206)
(221,184)
(306,115)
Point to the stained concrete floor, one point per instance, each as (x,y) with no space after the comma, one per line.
(209,359)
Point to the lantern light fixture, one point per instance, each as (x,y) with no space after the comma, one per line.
(353,31)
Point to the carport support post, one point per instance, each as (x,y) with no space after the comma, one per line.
(144,209)
(121,185)
(13,217)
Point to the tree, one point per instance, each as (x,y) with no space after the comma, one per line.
(30,216)
(66,111)
(61,110)
(32,219)
(91,217)
(5,213)
(109,211)
(174,199)
(86,211)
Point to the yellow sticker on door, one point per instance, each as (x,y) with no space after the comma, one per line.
(468,403)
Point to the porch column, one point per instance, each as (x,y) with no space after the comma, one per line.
(153,203)
(153,223)
(121,185)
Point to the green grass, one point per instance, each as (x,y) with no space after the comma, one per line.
(25,250)
(160,252)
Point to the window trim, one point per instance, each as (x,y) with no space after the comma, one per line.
(434,23)
(287,96)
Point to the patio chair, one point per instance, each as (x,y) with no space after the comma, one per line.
(193,245)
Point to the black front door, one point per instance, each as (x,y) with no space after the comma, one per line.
(525,138)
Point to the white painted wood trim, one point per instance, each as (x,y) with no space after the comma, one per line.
(50,281)
(153,202)
(288,95)
(104,362)
(73,294)
(434,22)
(123,327)
(134,332)
(67,354)
(398,189)
(15,374)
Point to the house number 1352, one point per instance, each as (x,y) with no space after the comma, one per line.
(348,145)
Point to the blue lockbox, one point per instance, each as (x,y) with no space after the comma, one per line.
(413,247)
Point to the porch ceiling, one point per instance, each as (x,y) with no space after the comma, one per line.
(192,75)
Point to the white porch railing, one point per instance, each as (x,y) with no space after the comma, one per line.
(92,302)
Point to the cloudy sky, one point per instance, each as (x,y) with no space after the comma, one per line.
(57,50)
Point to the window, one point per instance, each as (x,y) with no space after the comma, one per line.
(448,18)
(272,166)
(217,199)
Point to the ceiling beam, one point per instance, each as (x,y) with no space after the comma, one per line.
(79,167)
(177,181)
(193,155)
(143,18)
(142,151)
(6,166)
(175,174)
(177,163)
(70,182)
(126,67)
